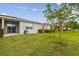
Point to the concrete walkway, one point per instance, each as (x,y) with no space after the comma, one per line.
(5,35)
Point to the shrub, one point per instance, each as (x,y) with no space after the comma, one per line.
(47,31)
(1,33)
(40,31)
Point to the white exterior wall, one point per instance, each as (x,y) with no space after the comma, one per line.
(34,29)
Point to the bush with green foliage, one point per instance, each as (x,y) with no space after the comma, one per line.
(40,31)
(72,24)
(47,31)
(1,33)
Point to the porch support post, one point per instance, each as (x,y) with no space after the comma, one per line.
(2,23)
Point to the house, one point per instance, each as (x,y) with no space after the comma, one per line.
(15,25)
(48,26)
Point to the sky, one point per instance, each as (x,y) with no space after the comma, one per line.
(30,11)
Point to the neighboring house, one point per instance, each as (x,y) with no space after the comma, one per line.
(15,25)
(48,26)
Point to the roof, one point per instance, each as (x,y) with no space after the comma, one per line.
(47,24)
(19,19)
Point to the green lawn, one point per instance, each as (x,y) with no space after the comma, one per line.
(46,44)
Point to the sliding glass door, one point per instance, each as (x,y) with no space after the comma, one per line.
(11,28)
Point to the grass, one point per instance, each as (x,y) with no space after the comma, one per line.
(46,44)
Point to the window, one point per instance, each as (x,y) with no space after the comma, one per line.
(28,27)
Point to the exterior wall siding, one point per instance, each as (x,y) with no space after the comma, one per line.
(47,27)
(21,25)
(34,29)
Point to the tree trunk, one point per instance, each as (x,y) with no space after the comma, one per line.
(51,28)
(60,32)
(43,28)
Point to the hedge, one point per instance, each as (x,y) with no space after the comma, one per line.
(1,33)
(45,31)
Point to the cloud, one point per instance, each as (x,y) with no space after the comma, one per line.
(34,9)
(3,13)
(38,10)
(21,8)
(43,9)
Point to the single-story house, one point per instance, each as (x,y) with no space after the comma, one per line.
(15,25)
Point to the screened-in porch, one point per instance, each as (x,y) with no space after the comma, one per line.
(10,27)
(0,23)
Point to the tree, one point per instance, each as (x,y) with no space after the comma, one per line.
(60,15)
(48,13)
(75,9)
(75,15)
(72,24)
